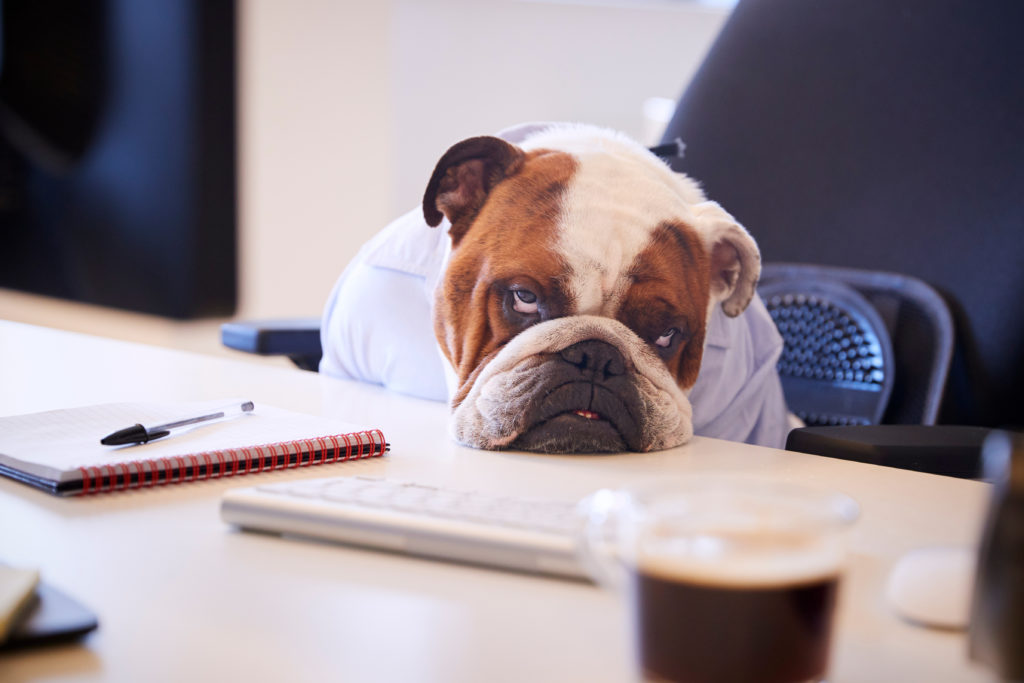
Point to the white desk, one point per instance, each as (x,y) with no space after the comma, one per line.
(181,596)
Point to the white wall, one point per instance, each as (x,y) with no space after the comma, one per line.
(315,130)
(465,68)
(346,105)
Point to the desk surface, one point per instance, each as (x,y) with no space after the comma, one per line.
(182,596)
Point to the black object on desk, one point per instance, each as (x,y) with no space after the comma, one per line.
(54,618)
(997,608)
(937,449)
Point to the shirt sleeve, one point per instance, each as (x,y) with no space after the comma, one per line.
(377,324)
(738,395)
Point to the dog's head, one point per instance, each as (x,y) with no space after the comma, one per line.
(581,280)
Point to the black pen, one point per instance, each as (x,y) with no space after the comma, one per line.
(137,433)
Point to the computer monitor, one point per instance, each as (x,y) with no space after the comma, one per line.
(117,153)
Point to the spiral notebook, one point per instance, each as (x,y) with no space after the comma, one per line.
(59,451)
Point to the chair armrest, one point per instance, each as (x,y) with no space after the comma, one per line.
(297,338)
(937,449)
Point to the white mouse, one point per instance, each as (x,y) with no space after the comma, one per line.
(932,586)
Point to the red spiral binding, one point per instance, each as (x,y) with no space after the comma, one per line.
(232,462)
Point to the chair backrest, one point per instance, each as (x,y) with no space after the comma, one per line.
(861,347)
(882,135)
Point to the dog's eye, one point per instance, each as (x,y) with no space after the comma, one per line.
(524,301)
(666,338)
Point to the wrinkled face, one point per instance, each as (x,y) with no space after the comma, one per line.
(574,306)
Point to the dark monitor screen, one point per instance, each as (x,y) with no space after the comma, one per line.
(117,153)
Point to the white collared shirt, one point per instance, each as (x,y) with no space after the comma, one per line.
(377,327)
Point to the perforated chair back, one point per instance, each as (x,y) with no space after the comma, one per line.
(884,135)
(861,347)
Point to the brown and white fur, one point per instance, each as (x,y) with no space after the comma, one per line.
(581,279)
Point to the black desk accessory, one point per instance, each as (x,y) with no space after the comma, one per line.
(54,618)
(937,449)
(997,610)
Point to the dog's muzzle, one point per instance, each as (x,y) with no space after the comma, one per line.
(582,384)
(586,404)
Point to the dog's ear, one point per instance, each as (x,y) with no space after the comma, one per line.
(735,258)
(463,178)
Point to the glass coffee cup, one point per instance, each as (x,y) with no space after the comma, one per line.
(725,580)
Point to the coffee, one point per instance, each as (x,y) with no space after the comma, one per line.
(721,633)
(726,580)
(743,605)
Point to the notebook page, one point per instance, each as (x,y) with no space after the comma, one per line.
(55,444)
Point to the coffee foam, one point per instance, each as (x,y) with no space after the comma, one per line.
(741,560)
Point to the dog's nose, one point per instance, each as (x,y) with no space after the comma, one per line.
(595,357)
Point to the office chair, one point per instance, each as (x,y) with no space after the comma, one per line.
(860,347)
(296,338)
(883,136)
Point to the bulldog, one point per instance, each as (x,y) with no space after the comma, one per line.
(571,298)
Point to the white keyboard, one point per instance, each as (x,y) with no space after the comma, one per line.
(521,534)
